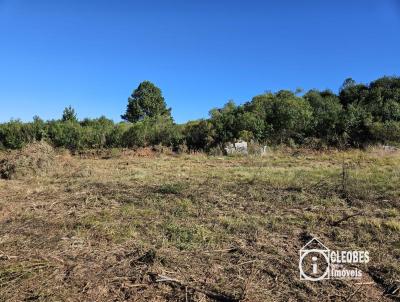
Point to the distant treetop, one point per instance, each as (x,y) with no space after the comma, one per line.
(69,114)
(145,101)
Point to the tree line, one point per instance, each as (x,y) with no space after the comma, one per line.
(359,115)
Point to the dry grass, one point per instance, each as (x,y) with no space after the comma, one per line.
(102,228)
(34,159)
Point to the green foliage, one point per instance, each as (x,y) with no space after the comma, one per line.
(351,93)
(69,114)
(326,115)
(115,135)
(360,114)
(199,135)
(171,188)
(66,134)
(38,129)
(286,117)
(250,127)
(135,135)
(162,130)
(96,131)
(386,132)
(383,99)
(14,134)
(159,130)
(224,123)
(356,121)
(290,117)
(145,101)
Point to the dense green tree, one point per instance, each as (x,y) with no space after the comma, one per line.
(385,132)
(327,115)
(356,123)
(69,114)
(352,93)
(145,101)
(224,122)
(249,126)
(285,115)
(369,108)
(383,100)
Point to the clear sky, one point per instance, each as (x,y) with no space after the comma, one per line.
(92,54)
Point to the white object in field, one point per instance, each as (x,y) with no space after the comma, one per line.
(263,150)
(389,148)
(239,147)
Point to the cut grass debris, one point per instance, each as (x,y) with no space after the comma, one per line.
(213,226)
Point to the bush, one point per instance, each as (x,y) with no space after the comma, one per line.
(286,117)
(159,130)
(134,136)
(387,132)
(198,135)
(15,134)
(326,118)
(356,122)
(224,123)
(162,131)
(115,136)
(250,126)
(95,132)
(66,134)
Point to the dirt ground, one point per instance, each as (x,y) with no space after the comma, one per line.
(159,227)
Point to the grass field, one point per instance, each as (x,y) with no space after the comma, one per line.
(159,227)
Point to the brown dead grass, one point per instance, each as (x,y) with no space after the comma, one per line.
(106,228)
(34,159)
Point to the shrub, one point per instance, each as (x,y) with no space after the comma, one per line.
(356,121)
(387,132)
(250,126)
(115,136)
(161,130)
(15,134)
(285,115)
(95,132)
(134,136)
(326,118)
(198,135)
(66,134)
(224,123)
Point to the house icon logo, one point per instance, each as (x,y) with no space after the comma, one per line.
(314,262)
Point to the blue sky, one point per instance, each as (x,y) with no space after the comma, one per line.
(92,54)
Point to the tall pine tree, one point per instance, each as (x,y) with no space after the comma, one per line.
(145,101)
